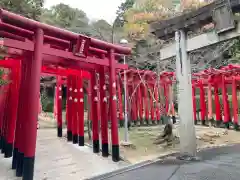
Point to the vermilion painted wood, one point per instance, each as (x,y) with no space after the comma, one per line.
(194,104)
(225,102)
(13,101)
(59,105)
(217,103)
(65,58)
(113,106)
(28,24)
(139,107)
(69,107)
(202,102)
(104,112)
(152,103)
(120,101)
(74,109)
(80,109)
(234,101)
(94,109)
(146,105)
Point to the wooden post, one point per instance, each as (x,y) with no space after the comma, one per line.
(20,131)
(194,104)
(59,106)
(146,104)
(80,111)
(210,113)
(202,104)
(104,116)
(120,106)
(15,78)
(69,108)
(32,102)
(217,106)
(74,110)
(225,103)
(235,104)
(113,106)
(95,118)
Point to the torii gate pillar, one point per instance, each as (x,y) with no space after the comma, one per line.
(32,102)
(183,71)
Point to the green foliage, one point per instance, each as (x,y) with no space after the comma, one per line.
(101,29)
(64,16)
(120,20)
(234,52)
(47,102)
(28,8)
(1,80)
(76,20)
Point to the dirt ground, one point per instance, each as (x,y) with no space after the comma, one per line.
(142,139)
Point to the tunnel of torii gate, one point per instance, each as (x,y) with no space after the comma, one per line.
(144,94)
(33,47)
(212,85)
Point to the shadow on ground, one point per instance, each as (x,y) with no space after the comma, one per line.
(222,163)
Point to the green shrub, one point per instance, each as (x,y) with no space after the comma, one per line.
(47,104)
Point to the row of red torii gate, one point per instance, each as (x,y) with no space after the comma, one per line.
(34,48)
(143,83)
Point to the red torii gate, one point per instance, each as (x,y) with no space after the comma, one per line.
(218,78)
(142,88)
(40,44)
(209,78)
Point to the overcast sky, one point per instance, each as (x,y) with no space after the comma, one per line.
(95,9)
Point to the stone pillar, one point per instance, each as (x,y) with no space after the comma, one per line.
(183,71)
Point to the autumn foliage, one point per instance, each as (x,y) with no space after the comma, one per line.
(141,15)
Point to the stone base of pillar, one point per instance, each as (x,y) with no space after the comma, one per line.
(96,148)
(115,153)
(14,160)
(59,131)
(28,168)
(134,122)
(75,139)
(226,125)
(236,126)
(121,123)
(174,119)
(19,168)
(203,122)
(69,135)
(147,121)
(81,140)
(3,143)
(8,150)
(105,151)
